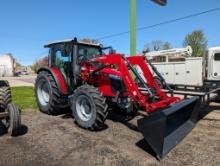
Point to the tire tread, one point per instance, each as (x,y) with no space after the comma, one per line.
(100,106)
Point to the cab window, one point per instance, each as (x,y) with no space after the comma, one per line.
(88,52)
(158,59)
(176,59)
(217,57)
(60,55)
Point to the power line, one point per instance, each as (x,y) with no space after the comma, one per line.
(161,23)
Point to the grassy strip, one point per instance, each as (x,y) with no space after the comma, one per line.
(24,97)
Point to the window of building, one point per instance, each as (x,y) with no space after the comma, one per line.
(217,57)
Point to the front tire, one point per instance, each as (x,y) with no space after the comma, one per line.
(47,94)
(89,107)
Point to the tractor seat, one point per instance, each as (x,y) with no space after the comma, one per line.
(67,66)
(66,71)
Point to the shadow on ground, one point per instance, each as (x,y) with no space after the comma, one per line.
(142,144)
(3,129)
(205,111)
(122,117)
(22,130)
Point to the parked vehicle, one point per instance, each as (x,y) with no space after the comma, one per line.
(80,76)
(21,72)
(24,72)
(182,71)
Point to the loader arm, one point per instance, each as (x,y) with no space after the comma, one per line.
(120,62)
(140,61)
(146,100)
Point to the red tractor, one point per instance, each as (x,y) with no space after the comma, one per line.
(82,77)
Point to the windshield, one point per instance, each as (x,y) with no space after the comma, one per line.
(88,52)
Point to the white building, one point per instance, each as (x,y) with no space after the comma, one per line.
(7,65)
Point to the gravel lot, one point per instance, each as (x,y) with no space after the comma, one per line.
(56,140)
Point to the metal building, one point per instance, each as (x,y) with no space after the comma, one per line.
(7,65)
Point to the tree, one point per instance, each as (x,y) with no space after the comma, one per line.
(40,63)
(167,46)
(197,41)
(157,45)
(18,66)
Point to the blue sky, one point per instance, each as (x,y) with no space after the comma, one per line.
(26,25)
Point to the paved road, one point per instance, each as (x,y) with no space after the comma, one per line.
(30,79)
(20,81)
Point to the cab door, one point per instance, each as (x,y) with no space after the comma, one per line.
(62,59)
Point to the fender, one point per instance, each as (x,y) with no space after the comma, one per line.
(58,77)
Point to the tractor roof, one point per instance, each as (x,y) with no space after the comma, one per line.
(72,40)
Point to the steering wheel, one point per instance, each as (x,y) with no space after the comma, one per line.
(81,58)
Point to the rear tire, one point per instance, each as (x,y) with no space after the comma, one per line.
(89,107)
(48,96)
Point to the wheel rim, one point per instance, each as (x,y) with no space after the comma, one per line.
(83,108)
(43,93)
(6,120)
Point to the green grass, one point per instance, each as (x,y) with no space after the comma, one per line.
(24,97)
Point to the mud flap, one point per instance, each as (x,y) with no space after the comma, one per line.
(163,130)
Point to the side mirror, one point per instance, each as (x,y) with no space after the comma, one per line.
(160,2)
(112,51)
(109,49)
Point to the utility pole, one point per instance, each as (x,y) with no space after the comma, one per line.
(133,23)
(132,27)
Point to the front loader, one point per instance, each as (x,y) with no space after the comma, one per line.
(79,76)
(9,113)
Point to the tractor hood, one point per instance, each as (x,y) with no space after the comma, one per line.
(112,73)
(107,69)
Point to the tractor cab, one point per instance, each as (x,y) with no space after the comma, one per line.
(66,56)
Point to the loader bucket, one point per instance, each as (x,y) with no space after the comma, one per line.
(163,130)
